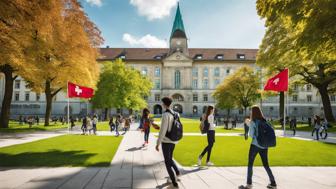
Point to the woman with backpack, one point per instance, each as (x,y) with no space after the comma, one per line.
(145,124)
(209,128)
(257,119)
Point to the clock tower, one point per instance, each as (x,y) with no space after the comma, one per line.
(178,37)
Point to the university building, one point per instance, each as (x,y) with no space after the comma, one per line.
(188,75)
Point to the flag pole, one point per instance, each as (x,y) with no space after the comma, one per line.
(68,112)
(284,114)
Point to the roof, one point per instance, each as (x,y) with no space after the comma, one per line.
(178,27)
(152,53)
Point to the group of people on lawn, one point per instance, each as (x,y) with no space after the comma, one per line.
(167,144)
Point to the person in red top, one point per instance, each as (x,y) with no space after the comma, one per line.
(145,124)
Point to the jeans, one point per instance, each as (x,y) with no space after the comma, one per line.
(317,133)
(254,150)
(168,151)
(211,141)
(146,131)
(116,129)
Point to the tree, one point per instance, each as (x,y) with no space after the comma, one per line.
(240,90)
(121,86)
(16,21)
(63,48)
(300,35)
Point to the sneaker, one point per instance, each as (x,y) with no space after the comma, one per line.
(210,164)
(270,186)
(175,185)
(248,186)
(199,162)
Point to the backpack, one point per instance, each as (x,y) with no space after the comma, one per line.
(176,131)
(204,127)
(265,134)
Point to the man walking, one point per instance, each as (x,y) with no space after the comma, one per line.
(166,143)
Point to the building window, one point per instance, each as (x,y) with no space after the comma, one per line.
(241,56)
(157,72)
(217,72)
(309,87)
(220,57)
(195,97)
(144,71)
(295,98)
(309,98)
(157,84)
(205,84)
(17,96)
(195,72)
(198,56)
(17,84)
(228,71)
(177,79)
(205,72)
(158,57)
(38,97)
(333,98)
(27,96)
(217,82)
(241,111)
(194,84)
(205,98)
(157,97)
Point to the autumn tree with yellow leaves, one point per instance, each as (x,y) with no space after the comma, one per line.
(61,46)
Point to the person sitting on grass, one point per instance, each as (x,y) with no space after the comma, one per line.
(256,119)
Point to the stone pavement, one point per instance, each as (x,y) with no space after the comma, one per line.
(136,167)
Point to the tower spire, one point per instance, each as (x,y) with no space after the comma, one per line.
(178,27)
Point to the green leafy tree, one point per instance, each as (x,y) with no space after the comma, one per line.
(240,90)
(300,35)
(121,86)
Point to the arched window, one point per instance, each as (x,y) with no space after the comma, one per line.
(177,79)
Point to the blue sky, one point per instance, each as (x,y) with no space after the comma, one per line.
(148,23)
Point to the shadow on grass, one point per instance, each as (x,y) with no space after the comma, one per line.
(52,158)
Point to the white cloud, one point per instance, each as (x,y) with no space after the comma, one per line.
(154,9)
(94,2)
(148,41)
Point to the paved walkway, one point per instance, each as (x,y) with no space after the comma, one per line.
(136,167)
(8,139)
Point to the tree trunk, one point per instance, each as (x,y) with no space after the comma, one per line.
(245,109)
(323,90)
(48,95)
(5,108)
(106,116)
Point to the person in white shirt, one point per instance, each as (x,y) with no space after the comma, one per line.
(210,128)
(168,145)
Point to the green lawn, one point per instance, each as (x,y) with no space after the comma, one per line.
(14,127)
(189,126)
(66,150)
(233,151)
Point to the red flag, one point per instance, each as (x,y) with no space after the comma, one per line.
(79,91)
(278,83)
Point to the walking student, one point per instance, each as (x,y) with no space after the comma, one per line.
(84,125)
(246,127)
(111,124)
(210,130)
(257,119)
(145,125)
(317,126)
(293,125)
(166,142)
(117,124)
(94,124)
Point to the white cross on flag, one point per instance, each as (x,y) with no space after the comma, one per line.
(79,91)
(278,82)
